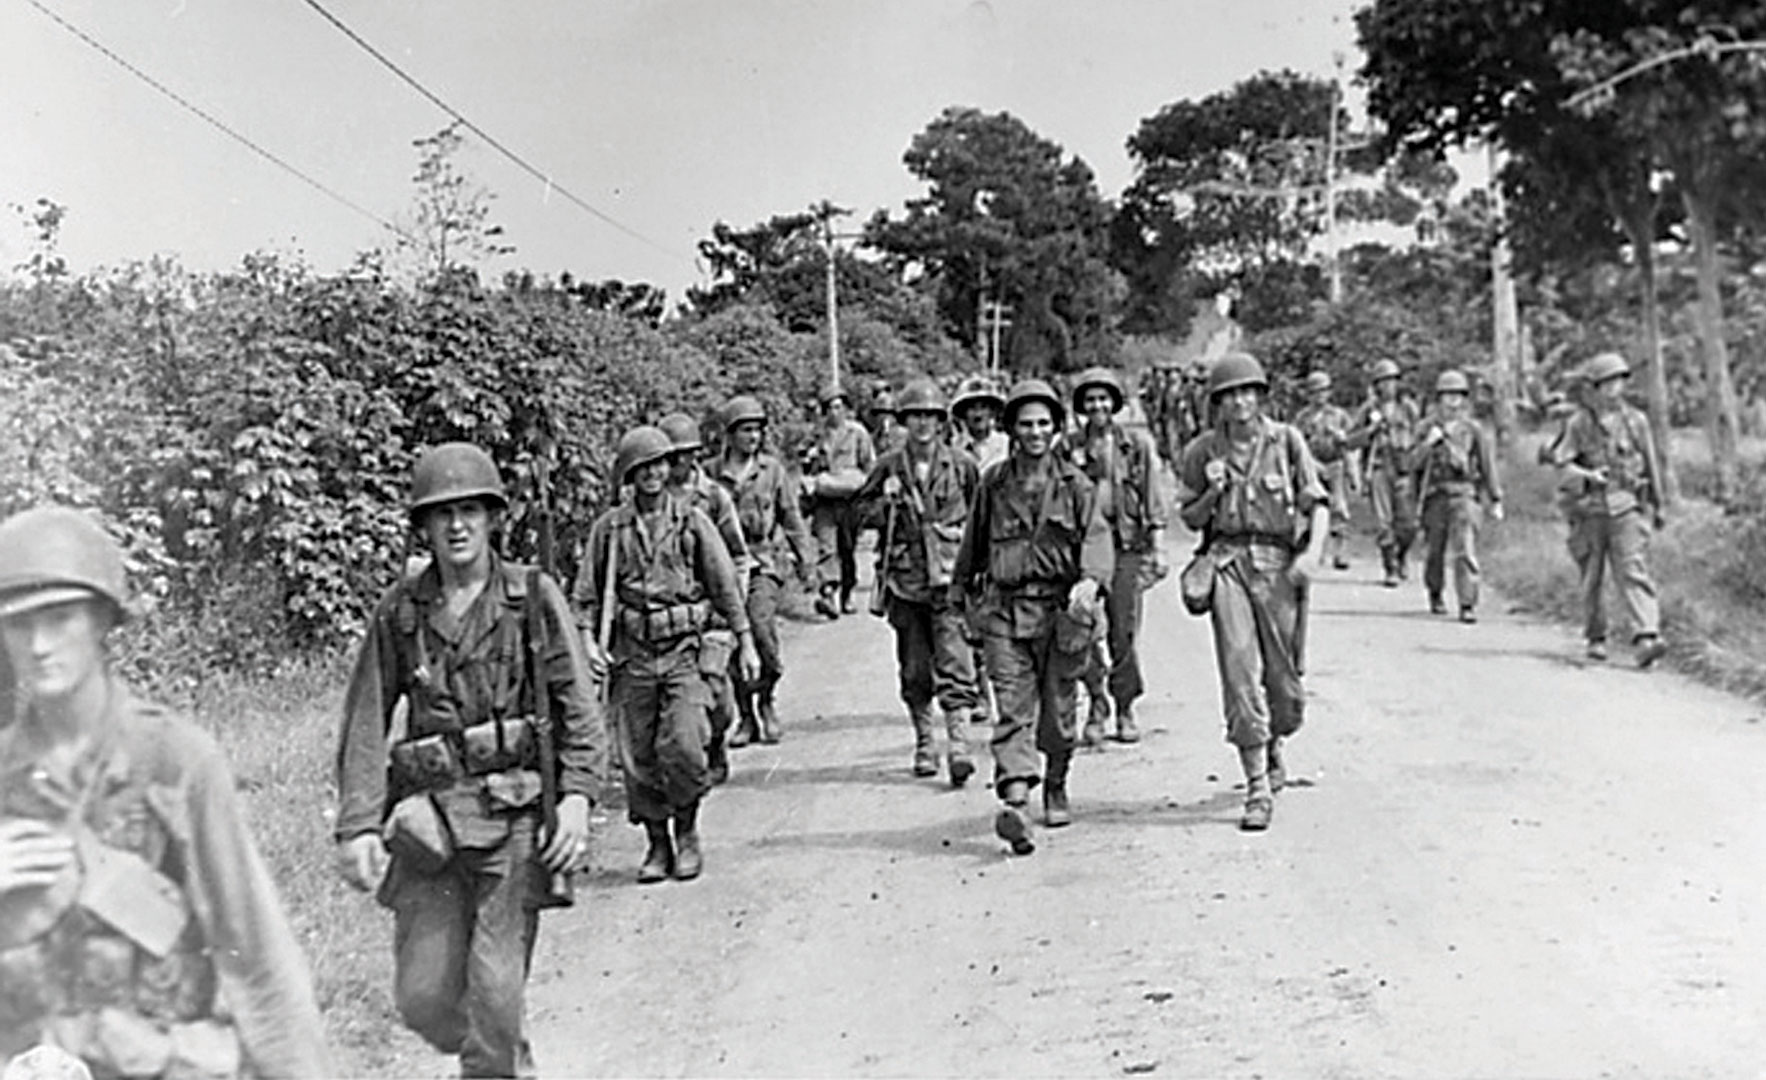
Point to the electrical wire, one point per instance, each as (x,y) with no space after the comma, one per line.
(217,123)
(487,137)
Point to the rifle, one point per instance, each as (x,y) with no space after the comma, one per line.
(1302,616)
(879,596)
(561,890)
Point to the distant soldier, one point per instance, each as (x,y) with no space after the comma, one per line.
(717,644)
(1326,427)
(140,931)
(1560,409)
(1385,431)
(1251,488)
(660,563)
(925,489)
(766,505)
(1455,469)
(484,654)
(1035,553)
(1608,448)
(887,427)
(838,463)
(1123,467)
(977,409)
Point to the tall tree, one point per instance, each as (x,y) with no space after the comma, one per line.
(448,230)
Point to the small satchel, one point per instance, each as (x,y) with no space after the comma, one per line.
(1196,582)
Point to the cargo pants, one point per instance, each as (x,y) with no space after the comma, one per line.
(661,721)
(1035,686)
(1623,541)
(1450,527)
(1254,616)
(1125,609)
(933,658)
(1394,507)
(834,524)
(764,591)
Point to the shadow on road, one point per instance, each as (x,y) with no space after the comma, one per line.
(1221,808)
(1551,656)
(1376,613)
(969,837)
(876,769)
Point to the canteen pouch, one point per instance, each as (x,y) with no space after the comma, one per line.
(1075,633)
(417,833)
(1196,582)
(496,745)
(942,542)
(516,789)
(426,763)
(715,649)
(124,892)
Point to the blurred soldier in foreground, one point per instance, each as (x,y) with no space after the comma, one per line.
(654,576)
(925,489)
(838,463)
(1455,469)
(139,929)
(717,644)
(1035,554)
(1326,427)
(1123,468)
(1385,430)
(485,806)
(1251,488)
(766,506)
(1607,448)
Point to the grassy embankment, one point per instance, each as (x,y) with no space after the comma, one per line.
(1712,617)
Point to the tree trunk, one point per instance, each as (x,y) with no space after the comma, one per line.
(1641,229)
(1721,410)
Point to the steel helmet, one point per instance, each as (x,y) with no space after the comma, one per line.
(1384,369)
(833,392)
(1233,371)
(455,470)
(1318,380)
(640,446)
(1098,376)
(1608,365)
(1029,390)
(682,432)
(743,409)
(922,396)
(883,401)
(976,389)
(54,554)
(1453,381)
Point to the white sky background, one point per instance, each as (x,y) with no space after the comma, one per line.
(668,115)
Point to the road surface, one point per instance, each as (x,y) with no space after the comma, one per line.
(1499,861)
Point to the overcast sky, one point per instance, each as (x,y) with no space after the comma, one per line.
(668,115)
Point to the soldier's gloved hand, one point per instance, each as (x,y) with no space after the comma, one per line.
(362,860)
(568,846)
(891,486)
(597,657)
(1215,473)
(1083,597)
(32,853)
(1434,436)
(747,660)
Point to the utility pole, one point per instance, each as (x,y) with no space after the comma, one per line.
(827,212)
(1505,310)
(1331,260)
(998,315)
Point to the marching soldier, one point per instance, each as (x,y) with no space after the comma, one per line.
(654,574)
(140,932)
(839,462)
(888,430)
(977,408)
(1251,488)
(766,505)
(1123,467)
(926,489)
(1326,427)
(1455,469)
(1562,408)
(1384,431)
(717,645)
(1607,449)
(1035,553)
(486,803)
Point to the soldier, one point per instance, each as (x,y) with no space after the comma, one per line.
(482,653)
(1251,488)
(766,506)
(1035,553)
(1608,449)
(139,929)
(838,463)
(1561,408)
(926,488)
(1123,468)
(887,428)
(717,645)
(1384,431)
(654,573)
(1326,427)
(1455,469)
(977,408)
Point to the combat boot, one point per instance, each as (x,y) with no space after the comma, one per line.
(1012,824)
(1259,799)
(1055,811)
(1437,604)
(1650,648)
(846,605)
(1389,561)
(958,765)
(925,759)
(688,860)
(1127,731)
(1278,773)
(747,730)
(767,718)
(826,605)
(659,861)
(717,761)
(1097,721)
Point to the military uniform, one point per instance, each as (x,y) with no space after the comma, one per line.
(1326,428)
(843,457)
(717,645)
(465,927)
(1452,475)
(1385,434)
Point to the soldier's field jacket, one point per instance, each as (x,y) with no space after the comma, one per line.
(924,520)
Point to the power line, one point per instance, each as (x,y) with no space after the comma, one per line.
(489,139)
(215,122)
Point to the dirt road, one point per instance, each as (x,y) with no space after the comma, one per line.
(1501,862)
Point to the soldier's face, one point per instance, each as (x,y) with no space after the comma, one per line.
(680,466)
(745,437)
(1034,428)
(1452,403)
(1386,389)
(459,532)
(56,650)
(835,411)
(923,427)
(1239,405)
(1320,395)
(650,478)
(1610,390)
(979,418)
(1098,405)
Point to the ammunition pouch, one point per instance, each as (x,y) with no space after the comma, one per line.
(664,626)
(417,832)
(942,542)
(440,760)
(716,647)
(116,1042)
(124,892)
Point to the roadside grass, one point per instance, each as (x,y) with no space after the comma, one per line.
(1712,615)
